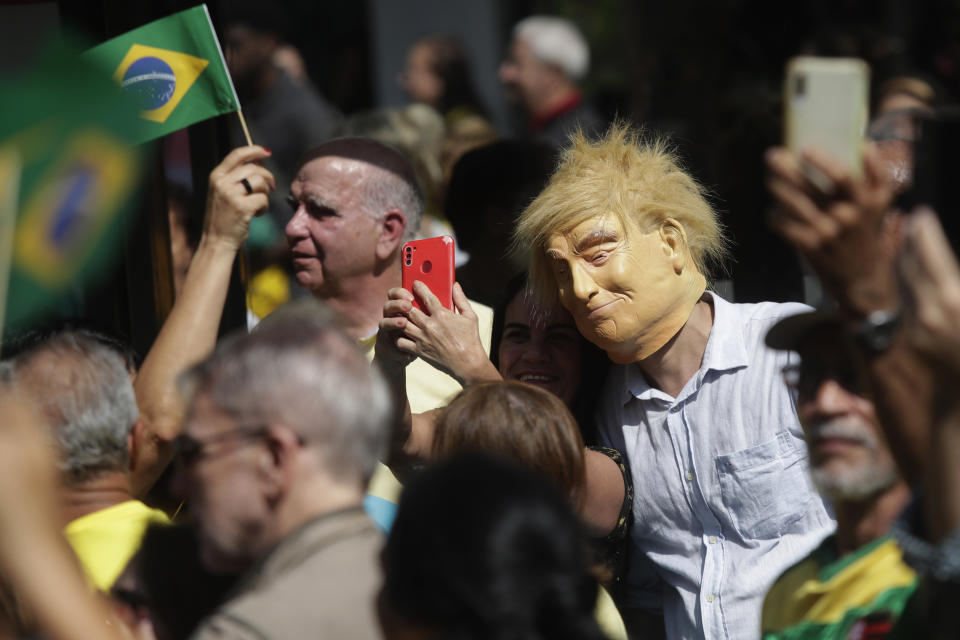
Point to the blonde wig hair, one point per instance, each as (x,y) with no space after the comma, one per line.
(638,180)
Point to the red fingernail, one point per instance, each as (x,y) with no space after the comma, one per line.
(267,150)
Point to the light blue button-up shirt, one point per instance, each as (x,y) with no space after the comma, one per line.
(723,501)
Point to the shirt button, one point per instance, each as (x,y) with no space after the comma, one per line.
(689,475)
(713,539)
(711,598)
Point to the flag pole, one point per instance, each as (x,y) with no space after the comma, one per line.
(243,123)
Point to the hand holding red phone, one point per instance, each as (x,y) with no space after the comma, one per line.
(449,340)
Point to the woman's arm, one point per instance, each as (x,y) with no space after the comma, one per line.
(608,497)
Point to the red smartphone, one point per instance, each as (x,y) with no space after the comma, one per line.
(431,262)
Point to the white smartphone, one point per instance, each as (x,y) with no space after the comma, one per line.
(826,108)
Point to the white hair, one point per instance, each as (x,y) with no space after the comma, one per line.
(556,41)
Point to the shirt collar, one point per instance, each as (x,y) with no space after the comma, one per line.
(725,351)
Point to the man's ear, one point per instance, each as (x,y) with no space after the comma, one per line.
(135,443)
(392,227)
(673,239)
(276,463)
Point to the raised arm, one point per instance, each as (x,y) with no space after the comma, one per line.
(448,340)
(850,238)
(190,332)
(931,280)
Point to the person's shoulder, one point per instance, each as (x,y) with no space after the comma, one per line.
(331,588)
(224,625)
(767,312)
(750,323)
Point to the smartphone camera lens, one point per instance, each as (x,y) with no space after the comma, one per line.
(800,85)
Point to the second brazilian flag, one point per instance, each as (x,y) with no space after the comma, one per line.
(174,67)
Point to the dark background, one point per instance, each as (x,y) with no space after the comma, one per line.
(707,74)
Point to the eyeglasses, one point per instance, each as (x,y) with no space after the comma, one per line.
(805,378)
(188,450)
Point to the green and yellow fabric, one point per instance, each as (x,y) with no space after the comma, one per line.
(857,596)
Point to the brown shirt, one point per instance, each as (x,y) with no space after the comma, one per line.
(319,582)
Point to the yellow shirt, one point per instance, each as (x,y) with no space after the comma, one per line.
(105,540)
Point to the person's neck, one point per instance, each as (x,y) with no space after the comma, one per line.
(311,499)
(92,495)
(671,367)
(551,101)
(862,521)
(360,301)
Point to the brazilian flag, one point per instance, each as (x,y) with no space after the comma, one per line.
(75,133)
(174,69)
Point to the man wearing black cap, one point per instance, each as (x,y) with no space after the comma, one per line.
(855,584)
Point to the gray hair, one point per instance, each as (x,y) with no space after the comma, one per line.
(387,191)
(556,41)
(301,370)
(83,388)
(391,182)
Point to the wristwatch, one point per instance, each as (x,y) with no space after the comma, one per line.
(875,333)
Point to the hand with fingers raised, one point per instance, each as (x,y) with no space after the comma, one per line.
(238,191)
(448,340)
(847,234)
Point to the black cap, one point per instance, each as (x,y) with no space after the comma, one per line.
(790,332)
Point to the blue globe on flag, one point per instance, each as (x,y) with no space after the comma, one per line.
(151,81)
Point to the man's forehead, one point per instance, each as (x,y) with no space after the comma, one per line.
(203,416)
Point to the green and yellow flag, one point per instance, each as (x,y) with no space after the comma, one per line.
(74,133)
(174,68)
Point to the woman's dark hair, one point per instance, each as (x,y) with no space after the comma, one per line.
(594,363)
(491,185)
(483,549)
(449,62)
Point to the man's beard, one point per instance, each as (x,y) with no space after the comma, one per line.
(852,481)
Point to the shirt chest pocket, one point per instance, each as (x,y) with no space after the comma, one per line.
(765,488)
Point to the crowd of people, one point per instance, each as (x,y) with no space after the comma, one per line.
(592,443)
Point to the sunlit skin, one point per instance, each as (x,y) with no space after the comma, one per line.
(331,238)
(629,291)
(541,349)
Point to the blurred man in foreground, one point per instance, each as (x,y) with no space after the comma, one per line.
(83,388)
(855,582)
(284,429)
